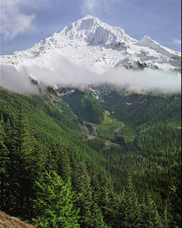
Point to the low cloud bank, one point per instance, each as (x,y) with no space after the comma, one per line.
(16,81)
(147,80)
(70,75)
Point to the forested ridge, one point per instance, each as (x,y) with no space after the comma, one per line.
(52,175)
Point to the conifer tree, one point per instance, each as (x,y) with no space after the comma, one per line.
(38,161)
(8,135)
(36,173)
(54,203)
(20,166)
(129,212)
(166,218)
(95,186)
(150,216)
(4,172)
(175,207)
(63,163)
(107,200)
(81,184)
(52,157)
(97,217)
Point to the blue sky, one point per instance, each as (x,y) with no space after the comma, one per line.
(25,22)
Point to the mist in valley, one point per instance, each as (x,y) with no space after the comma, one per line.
(66,74)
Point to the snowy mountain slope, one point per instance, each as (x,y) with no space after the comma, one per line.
(97,46)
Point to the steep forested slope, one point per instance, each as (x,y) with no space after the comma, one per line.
(50,119)
(126,175)
(85,106)
(141,108)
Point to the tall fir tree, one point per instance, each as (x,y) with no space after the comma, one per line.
(8,135)
(107,201)
(21,155)
(129,211)
(4,172)
(175,206)
(54,204)
(63,163)
(52,158)
(97,217)
(150,215)
(94,181)
(81,184)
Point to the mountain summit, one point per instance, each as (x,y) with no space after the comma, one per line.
(97,46)
(93,31)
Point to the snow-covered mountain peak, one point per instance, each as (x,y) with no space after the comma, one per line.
(92,31)
(146,41)
(98,47)
(86,23)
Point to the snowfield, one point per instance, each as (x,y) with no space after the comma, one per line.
(97,46)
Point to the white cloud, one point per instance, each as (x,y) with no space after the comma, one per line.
(14,19)
(89,6)
(67,74)
(147,80)
(101,7)
(95,7)
(177,41)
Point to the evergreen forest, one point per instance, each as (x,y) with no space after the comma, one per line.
(97,158)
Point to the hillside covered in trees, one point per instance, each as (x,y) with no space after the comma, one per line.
(78,160)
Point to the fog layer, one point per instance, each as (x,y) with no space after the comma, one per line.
(17,79)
